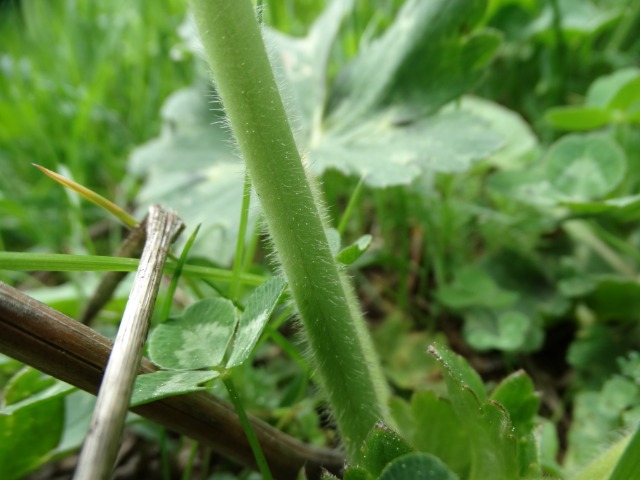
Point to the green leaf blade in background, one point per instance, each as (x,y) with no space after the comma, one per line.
(473,287)
(197,339)
(585,167)
(31,422)
(301,66)
(604,89)
(578,118)
(385,154)
(192,168)
(353,252)
(508,331)
(418,64)
(493,446)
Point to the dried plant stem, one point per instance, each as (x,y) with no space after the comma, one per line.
(102,443)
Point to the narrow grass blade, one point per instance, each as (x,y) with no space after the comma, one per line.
(92,196)
(60,262)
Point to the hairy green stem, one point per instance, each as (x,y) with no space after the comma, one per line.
(347,367)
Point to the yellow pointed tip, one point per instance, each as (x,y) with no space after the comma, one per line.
(92,196)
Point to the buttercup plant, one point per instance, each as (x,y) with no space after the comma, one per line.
(347,368)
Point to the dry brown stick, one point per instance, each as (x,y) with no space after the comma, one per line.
(53,343)
(102,443)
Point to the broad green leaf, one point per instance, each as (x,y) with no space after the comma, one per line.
(387,154)
(548,447)
(578,118)
(420,63)
(472,287)
(381,446)
(259,308)
(157,385)
(193,154)
(354,251)
(630,366)
(374,123)
(457,371)
(578,19)
(598,417)
(404,356)
(615,298)
(529,186)
(417,466)
(508,331)
(628,97)
(29,387)
(302,63)
(585,167)
(78,410)
(197,339)
(517,395)
(602,91)
(430,425)
(624,209)
(492,443)
(28,437)
(520,143)
(593,353)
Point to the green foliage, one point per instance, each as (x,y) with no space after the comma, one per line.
(385,455)
(80,103)
(350,254)
(612,99)
(585,167)
(493,446)
(380,138)
(495,143)
(41,418)
(200,338)
(628,464)
(431,425)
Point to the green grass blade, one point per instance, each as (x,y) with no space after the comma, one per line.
(58,262)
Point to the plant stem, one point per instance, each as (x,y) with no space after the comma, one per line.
(347,368)
(246,425)
(236,284)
